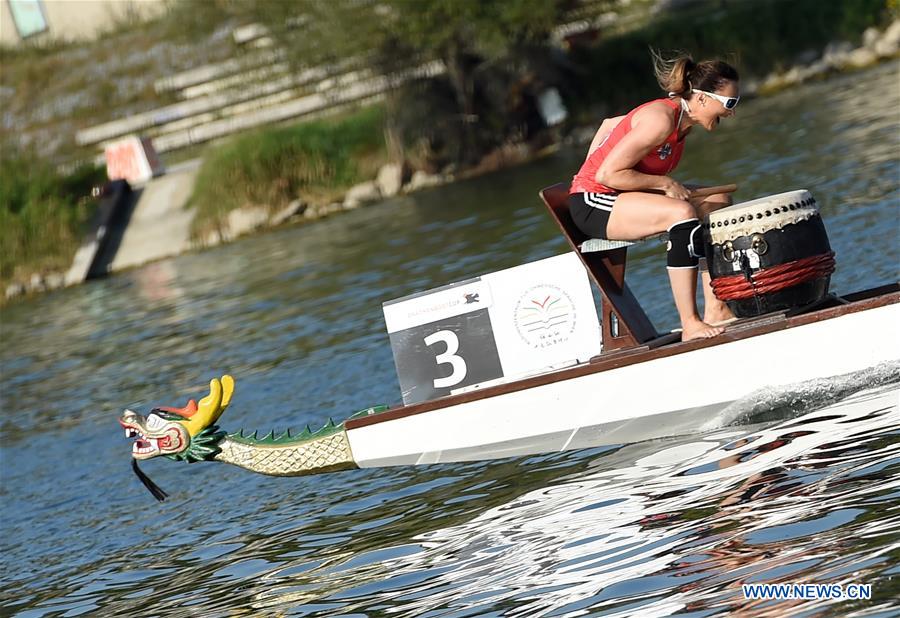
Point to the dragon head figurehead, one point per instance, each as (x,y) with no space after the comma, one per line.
(187,433)
(190,434)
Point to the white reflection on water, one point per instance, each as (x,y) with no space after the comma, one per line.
(677,529)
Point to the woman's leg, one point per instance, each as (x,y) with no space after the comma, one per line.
(684,291)
(638,215)
(715,311)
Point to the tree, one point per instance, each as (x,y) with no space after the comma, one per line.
(475,40)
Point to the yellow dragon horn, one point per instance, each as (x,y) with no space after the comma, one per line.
(227,392)
(210,408)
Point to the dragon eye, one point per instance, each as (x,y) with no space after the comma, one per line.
(155,422)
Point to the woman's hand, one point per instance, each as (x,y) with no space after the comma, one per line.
(675,189)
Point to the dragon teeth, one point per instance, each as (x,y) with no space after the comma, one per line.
(151,447)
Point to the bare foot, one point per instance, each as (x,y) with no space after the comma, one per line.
(718,315)
(700,330)
(724,322)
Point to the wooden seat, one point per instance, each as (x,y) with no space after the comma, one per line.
(598,244)
(623,322)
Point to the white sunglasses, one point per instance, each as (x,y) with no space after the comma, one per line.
(728,102)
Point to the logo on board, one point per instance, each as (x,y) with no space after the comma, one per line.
(544,316)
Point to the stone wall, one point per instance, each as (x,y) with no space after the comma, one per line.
(72,20)
(837,56)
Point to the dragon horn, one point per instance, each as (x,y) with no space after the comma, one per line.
(228,391)
(208,409)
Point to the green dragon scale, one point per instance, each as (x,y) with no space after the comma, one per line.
(191,434)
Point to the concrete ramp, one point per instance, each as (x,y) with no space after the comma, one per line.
(159,226)
(101,241)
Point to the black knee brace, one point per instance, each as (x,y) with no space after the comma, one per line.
(685,244)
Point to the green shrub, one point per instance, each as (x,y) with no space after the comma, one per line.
(43,214)
(757,36)
(312,161)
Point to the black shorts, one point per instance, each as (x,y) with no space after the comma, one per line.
(590,212)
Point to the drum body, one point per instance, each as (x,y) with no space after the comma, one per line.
(769,254)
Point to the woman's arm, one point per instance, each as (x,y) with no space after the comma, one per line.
(650,127)
(706,204)
(606,127)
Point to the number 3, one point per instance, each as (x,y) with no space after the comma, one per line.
(449,356)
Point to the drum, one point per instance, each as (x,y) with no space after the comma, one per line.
(769,254)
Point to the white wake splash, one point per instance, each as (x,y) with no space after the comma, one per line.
(780,403)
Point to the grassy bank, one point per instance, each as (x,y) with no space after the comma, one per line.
(50,88)
(42,215)
(315,162)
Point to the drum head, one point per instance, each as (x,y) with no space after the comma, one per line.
(759,215)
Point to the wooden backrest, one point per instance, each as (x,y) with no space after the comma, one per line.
(623,321)
(556,198)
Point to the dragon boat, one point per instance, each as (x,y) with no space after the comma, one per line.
(642,385)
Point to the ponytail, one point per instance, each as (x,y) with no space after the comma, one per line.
(673,74)
(679,75)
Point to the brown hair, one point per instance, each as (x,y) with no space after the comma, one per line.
(680,74)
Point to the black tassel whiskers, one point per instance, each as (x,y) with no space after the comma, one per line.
(152,487)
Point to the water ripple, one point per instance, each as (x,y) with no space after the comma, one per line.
(793,484)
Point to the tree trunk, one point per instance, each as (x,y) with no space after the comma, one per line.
(461,81)
(392,138)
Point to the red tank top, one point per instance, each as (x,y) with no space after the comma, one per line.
(658,162)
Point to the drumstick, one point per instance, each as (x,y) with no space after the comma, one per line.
(713,190)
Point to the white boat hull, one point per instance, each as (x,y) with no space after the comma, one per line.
(666,396)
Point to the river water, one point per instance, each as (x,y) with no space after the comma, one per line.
(804,490)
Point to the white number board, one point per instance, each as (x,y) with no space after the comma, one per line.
(504,324)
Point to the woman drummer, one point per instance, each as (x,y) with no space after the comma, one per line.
(623,190)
